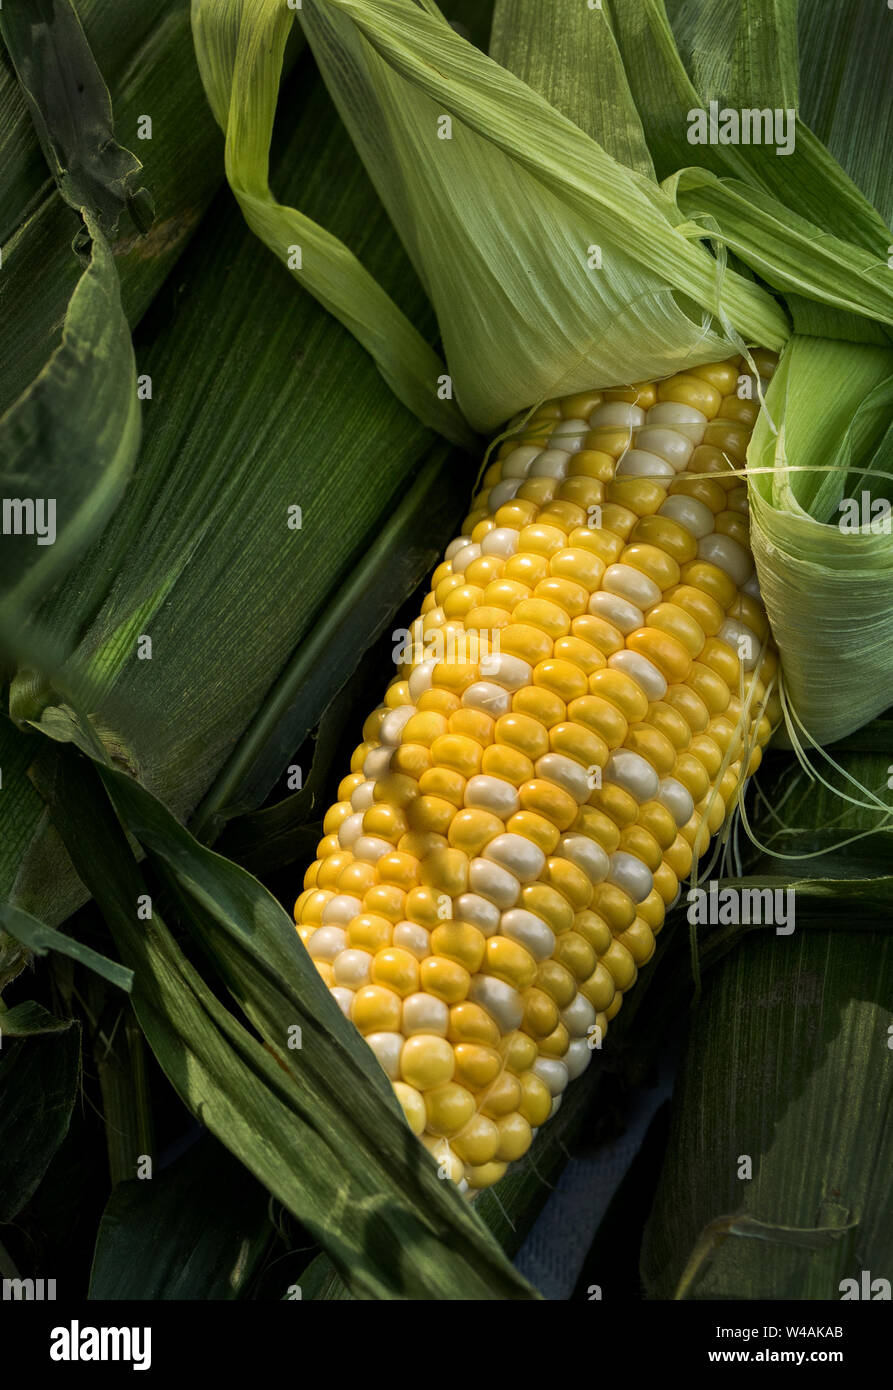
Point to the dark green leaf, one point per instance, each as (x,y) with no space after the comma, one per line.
(195,1230)
(41,939)
(38,1085)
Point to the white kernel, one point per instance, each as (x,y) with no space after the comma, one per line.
(501,1001)
(631,584)
(394,723)
(632,772)
(570,435)
(352,968)
(586,854)
(517,464)
(677,799)
(489,697)
(409,936)
(455,546)
(577,1057)
(552,463)
(422,1013)
(463,558)
(683,418)
(668,444)
(626,617)
(552,1072)
(752,587)
(492,794)
(363,796)
(350,830)
(502,540)
(639,463)
(642,671)
(327,942)
(742,639)
(376,763)
(479,912)
(727,555)
(529,931)
(617,415)
(556,1106)
(578,1017)
(629,873)
(506,670)
(343,998)
(420,678)
(503,492)
(387,1048)
(370,848)
(570,775)
(695,516)
(493,882)
(341,909)
(519,855)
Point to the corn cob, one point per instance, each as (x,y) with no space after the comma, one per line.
(522,809)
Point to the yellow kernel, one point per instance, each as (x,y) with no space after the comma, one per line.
(411,759)
(650,743)
(541,704)
(692,774)
(642,496)
(526,568)
(556,1044)
(658,822)
(484,1174)
(545,902)
(476,1065)
(460,942)
(579,565)
(401,870)
(540,1013)
(509,961)
(549,800)
(614,905)
(444,978)
(581,405)
(531,644)
(424,728)
(600,988)
(326,973)
(518,1053)
(336,816)
(620,690)
(420,843)
(515,1137)
(348,785)
(619,805)
(679,857)
(449,1107)
(503,1096)
(473,723)
(636,840)
(601,717)
(666,884)
(536,1100)
(619,962)
(477,1144)
(469,1023)
(429,814)
(541,613)
(441,701)
(667,535)
(535,828)
(444,785)
(722,659)
(384,900)
(571,598)
(413,1106)
(541,540)
(557,981)
(509,763)
(639,941)
(376,1010)
(397,969)
(655,563)
(600,541)
(730,437)
(595,930)
(575,953)
(691,391)
(470,830)
(584,655)
(368,932)
(568,879)
(561,678)
(385,822)
(721,375)
(355,879)
(458,752)
(426,907)
(427,1060)
(522,732)
(709,687)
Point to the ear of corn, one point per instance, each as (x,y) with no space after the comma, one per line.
(588,684)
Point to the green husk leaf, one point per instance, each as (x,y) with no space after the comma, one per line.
(826,590)
(80,416)
(198,1230)
(569,55)
(41,939)
(319,1125)
(28,1018)
(39,1082)
(240,49)
(519,196)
